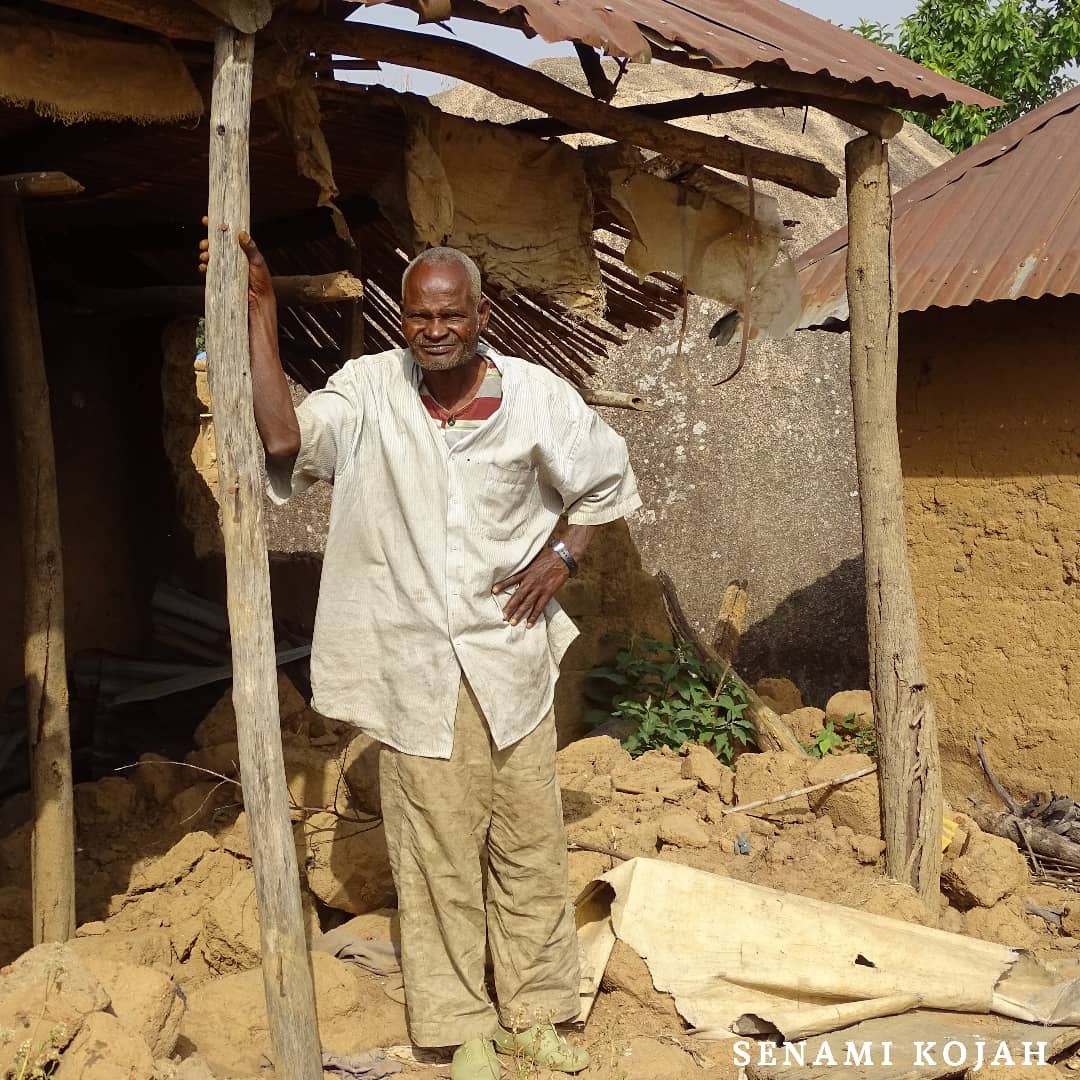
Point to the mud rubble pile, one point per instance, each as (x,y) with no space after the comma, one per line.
(163,979)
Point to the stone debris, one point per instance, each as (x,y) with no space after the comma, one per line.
(850,704)
(702,765)
(781,695)
(988,869)
(168,938)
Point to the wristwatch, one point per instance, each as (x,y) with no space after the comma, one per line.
(563,552)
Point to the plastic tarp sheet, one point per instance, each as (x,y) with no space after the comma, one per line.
(740,959)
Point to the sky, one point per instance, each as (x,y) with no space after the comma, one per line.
(515,46)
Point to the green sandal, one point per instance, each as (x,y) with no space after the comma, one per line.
(475,1060)
(543,1046)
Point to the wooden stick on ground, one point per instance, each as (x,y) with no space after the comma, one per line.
(911,796)
(52,848)
(1002,794)
(772,800)
(771,731)
(287,977)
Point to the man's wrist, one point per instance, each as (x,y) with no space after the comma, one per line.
(565,554)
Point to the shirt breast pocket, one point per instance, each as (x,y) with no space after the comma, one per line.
(508,500)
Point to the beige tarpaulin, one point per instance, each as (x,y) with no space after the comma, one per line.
(73,77)
(707,240)
(742,959)
(519,206)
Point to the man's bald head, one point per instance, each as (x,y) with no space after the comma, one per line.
(446,256)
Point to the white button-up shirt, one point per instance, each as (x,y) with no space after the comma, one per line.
(419,532)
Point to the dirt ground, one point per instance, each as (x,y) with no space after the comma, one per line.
(166,899)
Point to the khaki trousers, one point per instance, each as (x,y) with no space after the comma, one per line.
(478,853)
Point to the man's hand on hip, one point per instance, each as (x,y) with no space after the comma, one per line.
(536,585)
(542,578)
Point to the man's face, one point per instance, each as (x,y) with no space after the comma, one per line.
(439,320)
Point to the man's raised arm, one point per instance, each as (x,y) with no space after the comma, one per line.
(275,416)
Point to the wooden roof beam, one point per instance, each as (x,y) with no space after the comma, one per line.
(530,87)
(164,17)
(871,118)
(247,16)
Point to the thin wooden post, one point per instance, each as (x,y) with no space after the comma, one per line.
(287,978)
(911,798)
(52,847)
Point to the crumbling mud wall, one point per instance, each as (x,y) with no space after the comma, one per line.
(989,414)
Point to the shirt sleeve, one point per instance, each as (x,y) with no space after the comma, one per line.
(599,484)
(329,422)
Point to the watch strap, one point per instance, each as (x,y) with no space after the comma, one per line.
(563,552)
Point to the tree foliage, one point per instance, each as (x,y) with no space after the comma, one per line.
(1017,50)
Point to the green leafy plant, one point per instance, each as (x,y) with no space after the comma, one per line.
(672,696)
(825,742)
(1017,50)
(846,734)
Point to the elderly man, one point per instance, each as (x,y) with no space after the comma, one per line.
(438,634)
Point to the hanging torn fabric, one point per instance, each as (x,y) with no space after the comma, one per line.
(520,206)
(706,240)
(297,111)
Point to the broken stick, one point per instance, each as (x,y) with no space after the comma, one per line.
(772,800)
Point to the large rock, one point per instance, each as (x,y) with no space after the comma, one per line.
(45,996)
(142,948)
(146,1001)
(1005,923)
(157,779)
(988,869)
(681,829)
(761,776)
(104,1049)
(231,935)
(805,723)
(703,766)
(650,772)
(781,695)
(176,863)
(347,863)
(219,724)
(361,772)
(857,803)
(354,1015)
(848,704)
(104,802)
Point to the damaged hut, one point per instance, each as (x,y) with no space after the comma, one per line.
(988,394)
(102,195)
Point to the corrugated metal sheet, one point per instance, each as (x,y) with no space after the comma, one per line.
(998,222)
(737,36)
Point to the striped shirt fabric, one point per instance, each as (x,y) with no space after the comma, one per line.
(421,530)
(482,407)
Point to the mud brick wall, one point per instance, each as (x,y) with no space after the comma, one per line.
(989,414)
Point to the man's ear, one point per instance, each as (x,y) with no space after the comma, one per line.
(483,312)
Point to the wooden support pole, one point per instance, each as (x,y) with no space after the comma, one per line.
(911,797)
(287,978)
(52,848)
(530,87)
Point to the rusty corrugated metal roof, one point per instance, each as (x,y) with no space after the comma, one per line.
(740,37)
(998,222)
